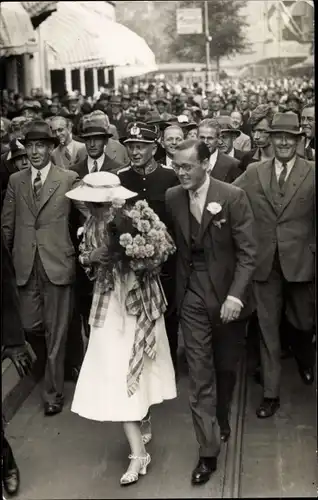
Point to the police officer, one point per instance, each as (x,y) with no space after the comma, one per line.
(151,180)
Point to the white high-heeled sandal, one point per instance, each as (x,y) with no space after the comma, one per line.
(132,477)
(146,437)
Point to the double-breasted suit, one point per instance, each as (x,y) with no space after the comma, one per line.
(214,260)
(37,233)
(285,230)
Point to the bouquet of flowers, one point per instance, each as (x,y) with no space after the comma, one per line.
(137,240)
(148,245)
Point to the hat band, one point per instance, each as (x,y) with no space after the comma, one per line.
(291,128)
(95,130)
(104,186)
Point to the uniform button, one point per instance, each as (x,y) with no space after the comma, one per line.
(144,189)
(191,265)
(144,178)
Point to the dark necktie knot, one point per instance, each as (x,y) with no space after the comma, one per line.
(95,167)
(282,177)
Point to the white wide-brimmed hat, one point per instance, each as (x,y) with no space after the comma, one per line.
(100,187)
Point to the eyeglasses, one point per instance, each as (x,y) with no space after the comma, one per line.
(186,168)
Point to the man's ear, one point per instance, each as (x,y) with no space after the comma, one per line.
(154,149)
(205,164)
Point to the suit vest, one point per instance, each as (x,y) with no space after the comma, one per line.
(197,249)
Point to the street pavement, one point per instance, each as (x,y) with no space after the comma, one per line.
(66,456)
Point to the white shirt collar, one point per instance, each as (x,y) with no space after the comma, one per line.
(44,172)
(100,161)
(231,153)
(279,166)
(168,161)
(213,160)
(200,194)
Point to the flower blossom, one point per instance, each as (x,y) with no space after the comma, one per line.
(125,239)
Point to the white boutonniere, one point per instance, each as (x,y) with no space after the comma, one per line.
(215,208)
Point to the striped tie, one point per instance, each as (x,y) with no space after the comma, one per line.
(95,167)
(67,154)
(282,177)
(37,185)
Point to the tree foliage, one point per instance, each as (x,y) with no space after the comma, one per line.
(156,23)
(226,27)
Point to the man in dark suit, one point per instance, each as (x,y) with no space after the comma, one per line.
(35,222)
(221,166)
(216,252)
(151,180)
(95,132)
(14,347)
(171,137)
(228,134)
(117,117)
(281,192)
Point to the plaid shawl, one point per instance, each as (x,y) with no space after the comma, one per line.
(146,300)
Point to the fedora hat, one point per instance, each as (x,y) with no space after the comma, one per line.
(115,100)
(100,187)
(95,123)
(286,122)
(39,130)
(226,126)
(16,149)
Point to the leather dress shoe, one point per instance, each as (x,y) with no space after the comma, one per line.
(307,375)
(51,409)
(203,470)
(11,480)
(268,407)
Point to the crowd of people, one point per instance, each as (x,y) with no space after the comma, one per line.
(229,169)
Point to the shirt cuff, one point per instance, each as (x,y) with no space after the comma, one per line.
(235,300)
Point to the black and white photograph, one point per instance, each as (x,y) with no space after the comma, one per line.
(158,249)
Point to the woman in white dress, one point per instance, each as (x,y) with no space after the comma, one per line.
(125,370)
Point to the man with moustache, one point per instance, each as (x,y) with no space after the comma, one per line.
(281,193)
(212,226)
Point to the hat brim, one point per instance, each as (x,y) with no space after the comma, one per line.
(100,195)
(96,134)
(53,140)
(130,139)
(280,130)
(232,131)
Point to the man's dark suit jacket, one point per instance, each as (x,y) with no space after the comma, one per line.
(248,158)
(226,169)
(109,165)
(230,250)
(246,127)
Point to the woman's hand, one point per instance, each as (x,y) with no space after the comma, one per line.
(99,256)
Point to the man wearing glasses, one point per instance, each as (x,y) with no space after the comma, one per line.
(213,229)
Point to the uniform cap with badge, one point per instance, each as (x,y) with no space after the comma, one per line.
(141,132)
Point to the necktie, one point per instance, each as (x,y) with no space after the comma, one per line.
(282,177)
(67,154)
(37,185)
(195,207)
(95,167)
(309,154)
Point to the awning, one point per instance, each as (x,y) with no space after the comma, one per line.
(77,37)
(39,11)
(17,35)
(307,64)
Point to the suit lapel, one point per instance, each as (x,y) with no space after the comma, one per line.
(49,187)
(297,175)
(27,191)
(212,196)
(265,175)
(182,213)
